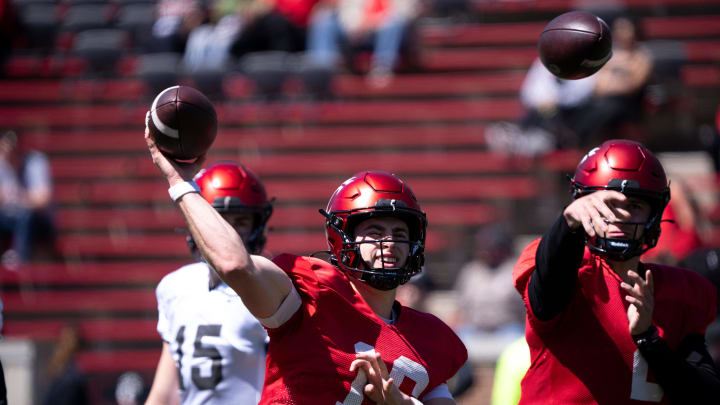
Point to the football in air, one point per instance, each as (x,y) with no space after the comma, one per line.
(575,45)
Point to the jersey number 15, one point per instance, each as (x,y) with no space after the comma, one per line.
(211,381)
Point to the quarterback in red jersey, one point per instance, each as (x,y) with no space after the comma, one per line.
(337,335)
(603,327)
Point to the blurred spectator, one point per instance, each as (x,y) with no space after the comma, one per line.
(175,20)
(555,105)
(575,113)
(351,24)
(208,44)
(489,314)
(68,382)
(274,25)
(487,300)
(510,369)
(554,112)
(617,102)
(25,199)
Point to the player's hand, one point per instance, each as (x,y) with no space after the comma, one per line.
(174,171)
(380,388)
(593,210)
(642,301)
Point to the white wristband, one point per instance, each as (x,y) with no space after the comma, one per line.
(416,401)
(183,188)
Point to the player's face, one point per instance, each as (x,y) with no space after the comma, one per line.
(381,251)
(241,221)
(639,211)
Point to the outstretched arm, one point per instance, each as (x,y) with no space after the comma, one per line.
(260,283)
(561,249)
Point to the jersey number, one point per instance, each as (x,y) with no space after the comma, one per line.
(211,381)
(402,367)
(642,390)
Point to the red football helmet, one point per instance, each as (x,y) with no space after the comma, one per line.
(373,194)
(231,188)
(630,168)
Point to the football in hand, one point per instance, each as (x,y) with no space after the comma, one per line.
(575,45)
(183,122)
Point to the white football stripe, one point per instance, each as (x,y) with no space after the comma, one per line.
(166,130)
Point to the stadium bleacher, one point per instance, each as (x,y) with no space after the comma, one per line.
(119,234)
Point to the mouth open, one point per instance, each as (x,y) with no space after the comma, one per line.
(617,235)
(387,261)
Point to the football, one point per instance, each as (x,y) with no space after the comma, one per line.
(575,45)
(183,122)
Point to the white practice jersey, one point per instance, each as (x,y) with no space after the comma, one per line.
(217,345)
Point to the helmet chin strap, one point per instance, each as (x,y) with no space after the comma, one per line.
(382,281)
(618,249)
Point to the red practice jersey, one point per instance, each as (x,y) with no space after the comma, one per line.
(586,355)
(309,356)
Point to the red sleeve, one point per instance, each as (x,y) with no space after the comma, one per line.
(305,282)
(524,267)
(301,274)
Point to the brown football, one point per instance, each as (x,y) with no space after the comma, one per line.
(575,45)
(183,122)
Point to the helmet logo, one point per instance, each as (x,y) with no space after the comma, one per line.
(624,184)
(592,152)
(392,203)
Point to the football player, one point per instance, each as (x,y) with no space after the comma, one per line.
(213,348)
(337,335)
(603,327)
